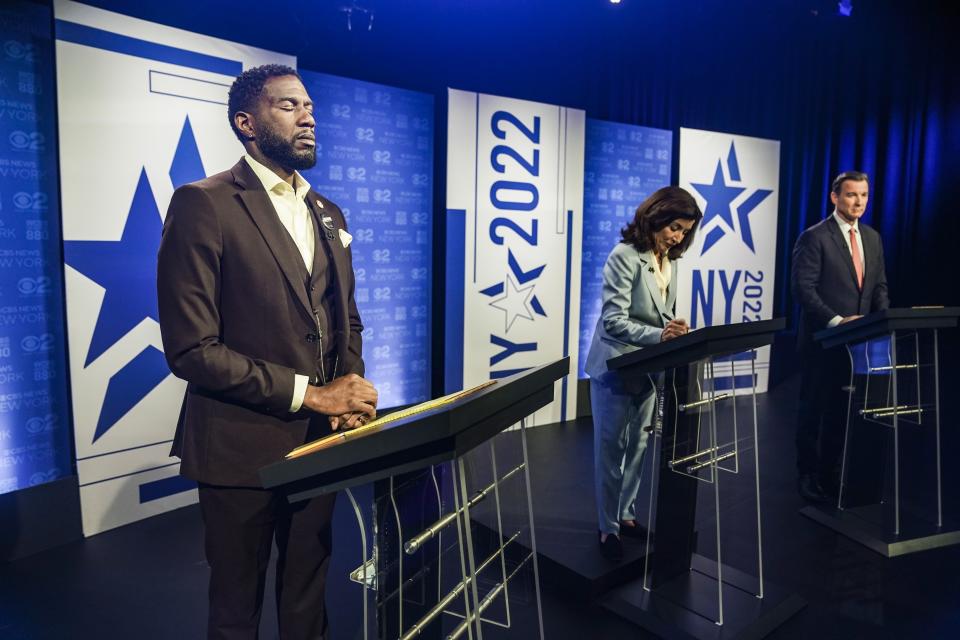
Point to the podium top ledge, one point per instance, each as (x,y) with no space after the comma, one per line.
(700,343)
(421,439)
(883,322)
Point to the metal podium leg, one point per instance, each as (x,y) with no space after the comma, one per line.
(436,488)
(846,429)
(736,426)
(470,584)
(533,535)
(756,471)
(715,471)
(918,368)
(472,623)
(500,538)
(396,515)
(363,544)
(656,433)
(468,542)
(896,435)
(936,408)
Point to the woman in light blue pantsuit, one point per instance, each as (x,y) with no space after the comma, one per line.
(639,294)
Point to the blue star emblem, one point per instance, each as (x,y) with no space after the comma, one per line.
(127,271)
(720,196)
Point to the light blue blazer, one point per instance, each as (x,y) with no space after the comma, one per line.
(632,314)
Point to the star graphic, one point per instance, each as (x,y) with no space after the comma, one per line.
(522,277)
(187,166)
(127,271)
(128,386)
(719,198)
(743,212)
(125,268)
(513,303)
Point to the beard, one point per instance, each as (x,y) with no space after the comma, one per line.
(283,152)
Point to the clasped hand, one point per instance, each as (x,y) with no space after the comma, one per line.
(674,328)
(348,402)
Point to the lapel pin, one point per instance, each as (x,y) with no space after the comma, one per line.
(319,204)
(327,222)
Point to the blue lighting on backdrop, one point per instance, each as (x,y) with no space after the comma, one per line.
(375,160)
(623,165)
(34,434)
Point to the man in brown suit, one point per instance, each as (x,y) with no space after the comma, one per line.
(257,314)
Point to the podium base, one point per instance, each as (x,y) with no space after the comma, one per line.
(686,607)
(863,525)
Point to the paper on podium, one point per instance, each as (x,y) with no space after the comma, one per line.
(336,438)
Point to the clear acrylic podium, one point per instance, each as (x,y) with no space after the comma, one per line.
(702,436)
(891,495)
(428,569)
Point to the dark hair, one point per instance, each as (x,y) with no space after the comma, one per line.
(248,87)
(855,176)
(660,209)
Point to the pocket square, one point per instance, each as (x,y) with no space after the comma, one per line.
(345,238)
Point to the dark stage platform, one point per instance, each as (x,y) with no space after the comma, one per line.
(867,526)
(573,569)
(561,461)
(561,468)
(148,580)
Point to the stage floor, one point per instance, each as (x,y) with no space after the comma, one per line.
(148,580)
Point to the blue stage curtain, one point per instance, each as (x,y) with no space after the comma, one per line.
(876,93)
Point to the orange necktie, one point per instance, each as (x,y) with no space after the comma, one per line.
(857,261)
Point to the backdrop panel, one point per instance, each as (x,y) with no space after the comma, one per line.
(624,164)
(141,111)
(34,433)
(727,275)
(375,160)
(514,219)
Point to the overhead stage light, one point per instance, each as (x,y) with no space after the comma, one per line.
(831,8)
(362,15)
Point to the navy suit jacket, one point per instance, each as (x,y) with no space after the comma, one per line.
(825,282)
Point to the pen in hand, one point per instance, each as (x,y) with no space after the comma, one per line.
(674,328)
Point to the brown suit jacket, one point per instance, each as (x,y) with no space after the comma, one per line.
(237,320)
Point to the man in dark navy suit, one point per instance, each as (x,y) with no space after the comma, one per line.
(838,276)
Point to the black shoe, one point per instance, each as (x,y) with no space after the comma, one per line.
(611,548)
(830,484)
(636,531)
(810,490)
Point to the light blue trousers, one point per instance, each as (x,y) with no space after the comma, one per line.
(619,443)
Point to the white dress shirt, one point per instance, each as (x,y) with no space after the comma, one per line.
(845,231)
(291,207)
